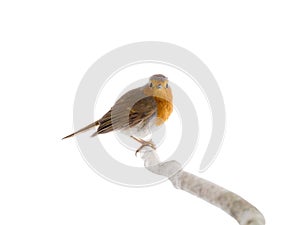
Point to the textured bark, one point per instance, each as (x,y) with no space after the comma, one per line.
(234,205)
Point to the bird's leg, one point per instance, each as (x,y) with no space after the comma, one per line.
(143,144)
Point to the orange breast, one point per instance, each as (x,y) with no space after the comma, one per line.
(164,110)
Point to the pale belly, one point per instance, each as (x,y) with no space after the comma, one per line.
(142,130)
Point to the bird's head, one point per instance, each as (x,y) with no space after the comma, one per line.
(158,86)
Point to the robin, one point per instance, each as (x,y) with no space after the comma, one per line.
(137,112)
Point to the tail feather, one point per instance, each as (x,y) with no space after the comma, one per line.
(83,129)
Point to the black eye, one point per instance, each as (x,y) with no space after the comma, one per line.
(151,85)
(167,85)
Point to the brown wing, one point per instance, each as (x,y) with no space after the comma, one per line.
(131,109)
(142,111)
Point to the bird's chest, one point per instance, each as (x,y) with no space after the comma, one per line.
(164,108)
(145,128)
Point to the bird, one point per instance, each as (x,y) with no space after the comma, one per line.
(137,112)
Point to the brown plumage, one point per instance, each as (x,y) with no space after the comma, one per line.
(136,109)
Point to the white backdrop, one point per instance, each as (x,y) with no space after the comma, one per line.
(252,48)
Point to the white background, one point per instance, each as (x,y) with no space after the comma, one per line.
(252,48)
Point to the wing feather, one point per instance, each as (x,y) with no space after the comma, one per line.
(130,110)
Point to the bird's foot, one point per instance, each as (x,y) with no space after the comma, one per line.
(143,144)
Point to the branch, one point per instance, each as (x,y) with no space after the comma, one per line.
(234,205)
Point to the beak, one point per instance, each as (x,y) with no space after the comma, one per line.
(159,86)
